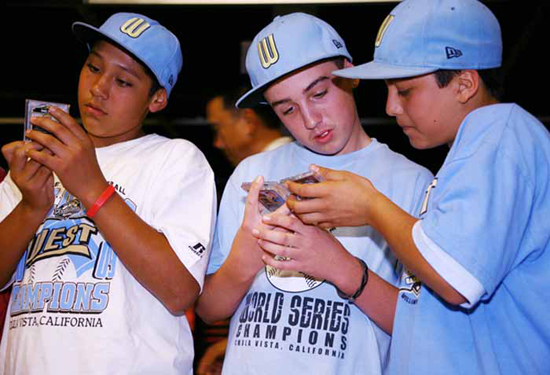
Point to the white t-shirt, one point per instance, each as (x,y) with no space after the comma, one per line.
(74,307)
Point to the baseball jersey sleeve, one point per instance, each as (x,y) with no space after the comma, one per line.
(479,209)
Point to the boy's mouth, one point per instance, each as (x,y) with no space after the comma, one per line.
(95,109)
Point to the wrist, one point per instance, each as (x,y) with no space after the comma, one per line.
(376,209)
(100,201)
(93,193)
(31,213)
(353,290)
(244,260)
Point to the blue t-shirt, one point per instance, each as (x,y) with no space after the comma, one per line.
(488,212)
(294,323)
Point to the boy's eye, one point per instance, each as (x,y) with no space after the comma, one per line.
(287,110)
(404,93)
(93,68)
(123,83)
(320,94)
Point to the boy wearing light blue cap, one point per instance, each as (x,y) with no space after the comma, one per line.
(480,253)
(95,231)
(306,314)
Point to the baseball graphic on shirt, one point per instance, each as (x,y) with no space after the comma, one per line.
(291,281)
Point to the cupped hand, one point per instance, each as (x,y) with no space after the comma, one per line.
(72,155)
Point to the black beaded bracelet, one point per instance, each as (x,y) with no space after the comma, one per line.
(364,281)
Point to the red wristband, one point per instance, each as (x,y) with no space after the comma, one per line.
(100,201)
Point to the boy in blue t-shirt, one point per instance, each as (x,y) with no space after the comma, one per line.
(480,252)
(309,313)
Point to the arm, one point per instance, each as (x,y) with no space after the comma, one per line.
(144,251)
(35,183)
(212,360)
(347,199)
(310,249)
(224,289)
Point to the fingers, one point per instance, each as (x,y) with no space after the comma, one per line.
(282,210)
(9,149)
(281,263)
(305,206)
(19,163)
(42,177)
(275,236)
(59,134)
(273,250)
(65,130)
(307,190)
(252,205)
(290,223)
(252,197)
(42,158)
(326,173)
(68,122)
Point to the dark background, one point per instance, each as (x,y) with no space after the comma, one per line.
(41,60)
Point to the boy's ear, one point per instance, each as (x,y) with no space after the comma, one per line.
(251,119)
(469,83)
(159,100)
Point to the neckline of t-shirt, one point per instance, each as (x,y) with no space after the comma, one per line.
(330,161)
(129,143)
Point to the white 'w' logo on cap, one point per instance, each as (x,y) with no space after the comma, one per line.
(134,27)
(268,51)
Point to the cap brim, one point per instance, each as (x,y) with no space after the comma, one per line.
(89,34)
(252,98)
(255,96)
(375,70)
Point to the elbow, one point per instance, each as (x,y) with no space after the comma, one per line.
(205,314)
(452,297)
(179,307)
(208,313)
(180,302)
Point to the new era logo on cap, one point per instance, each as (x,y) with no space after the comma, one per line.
(416,39)
(452,52)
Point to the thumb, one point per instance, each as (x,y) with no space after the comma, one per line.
(326,173)
(252,198)
(9,150)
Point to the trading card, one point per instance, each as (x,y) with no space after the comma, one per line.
(310,177)
(35,108)
(272,194)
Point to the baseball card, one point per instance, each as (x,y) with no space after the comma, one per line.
(309,177)
(35,108)
(274,194)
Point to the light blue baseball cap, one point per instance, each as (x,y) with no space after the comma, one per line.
(288,43)
(422,36)
(147,40)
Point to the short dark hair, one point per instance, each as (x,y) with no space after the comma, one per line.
(493,79)
(155,84)
(264,112)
